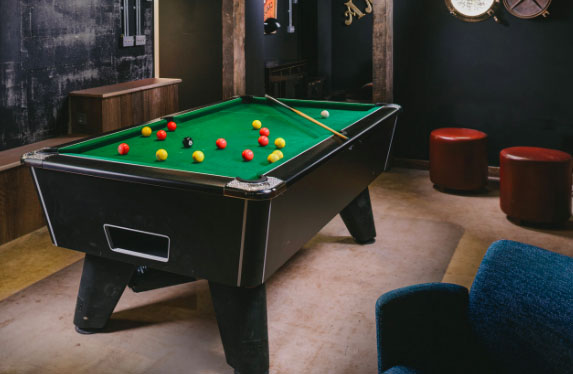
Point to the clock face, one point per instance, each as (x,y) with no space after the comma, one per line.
(472,8)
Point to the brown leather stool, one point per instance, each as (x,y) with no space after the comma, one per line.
(535,184)
(458,159)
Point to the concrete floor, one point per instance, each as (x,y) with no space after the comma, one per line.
(320,304)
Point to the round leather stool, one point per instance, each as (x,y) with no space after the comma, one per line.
(458,159)
(535,184)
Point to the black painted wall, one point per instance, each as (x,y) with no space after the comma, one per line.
(323,42)
(351,49)
(51,47)
(339,53)
(512,81)
(283,46)
(254,48)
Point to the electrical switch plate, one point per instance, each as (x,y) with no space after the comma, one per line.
(140,40)
(128,41)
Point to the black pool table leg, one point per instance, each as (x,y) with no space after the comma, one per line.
(242,319)
(358,218)
(103,282)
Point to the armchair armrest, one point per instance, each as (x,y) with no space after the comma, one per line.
(401,370)
(424,327)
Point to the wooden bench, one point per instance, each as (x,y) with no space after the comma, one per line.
(101,109)
(20,208)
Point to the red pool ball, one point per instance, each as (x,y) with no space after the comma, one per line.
(263,141)
(123,148)
(221,143)
(171,126)
(248,155)
(161,135)
(264,131)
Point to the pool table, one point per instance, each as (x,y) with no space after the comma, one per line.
(146,223)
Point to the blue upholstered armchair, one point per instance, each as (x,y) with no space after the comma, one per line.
(517,318)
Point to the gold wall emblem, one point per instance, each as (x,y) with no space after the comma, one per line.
(353,11)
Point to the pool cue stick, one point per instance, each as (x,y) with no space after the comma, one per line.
(307,117)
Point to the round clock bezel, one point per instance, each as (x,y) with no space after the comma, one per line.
(490,12)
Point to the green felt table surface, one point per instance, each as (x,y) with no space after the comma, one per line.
(231,120)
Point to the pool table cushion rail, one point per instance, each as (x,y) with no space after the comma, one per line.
(300,165)
(262,189)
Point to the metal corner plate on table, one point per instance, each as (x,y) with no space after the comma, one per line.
(38,156)
(266,187)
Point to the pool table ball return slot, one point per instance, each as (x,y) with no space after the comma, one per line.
(148,224)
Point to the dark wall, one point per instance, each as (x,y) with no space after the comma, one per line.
(301,45)
(341,54)
(512,81)
(190,42)
(323,42)
(283,46)
(51,47)
(254,48)
(351,49)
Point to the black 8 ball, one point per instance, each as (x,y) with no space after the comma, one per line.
(187,142)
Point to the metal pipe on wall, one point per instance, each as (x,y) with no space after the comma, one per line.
(290,28)
(137,17)
(127,40)
(139,37)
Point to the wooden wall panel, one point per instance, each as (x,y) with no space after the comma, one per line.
(173,99)
(85,115)
(110,115)
(154,106)
(136,112)
(114,107)
(20,208)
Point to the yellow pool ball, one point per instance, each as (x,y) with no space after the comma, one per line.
(198,156)
(161,155)
(278,153)
(280,142)
(146,131)
(257,124)
(273,157)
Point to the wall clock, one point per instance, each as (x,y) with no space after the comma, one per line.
(527,8)
(473,10)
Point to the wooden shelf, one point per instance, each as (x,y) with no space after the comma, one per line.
(125,88)
(10,158)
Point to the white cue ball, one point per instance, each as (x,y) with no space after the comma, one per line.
(324,114)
